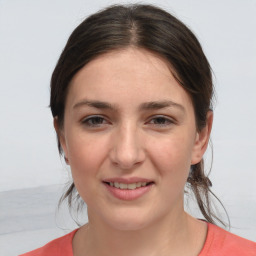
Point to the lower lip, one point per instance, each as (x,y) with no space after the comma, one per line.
(128,194)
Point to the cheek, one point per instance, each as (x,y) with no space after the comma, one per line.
(173,154)
(172,159)
(86,155)
(85,158)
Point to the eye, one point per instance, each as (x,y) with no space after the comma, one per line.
(161,121)
(94,121)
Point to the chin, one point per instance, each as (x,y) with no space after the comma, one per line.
(129,221)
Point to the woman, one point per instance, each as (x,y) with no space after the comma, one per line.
(131,100)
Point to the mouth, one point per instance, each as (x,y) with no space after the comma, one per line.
(129,186)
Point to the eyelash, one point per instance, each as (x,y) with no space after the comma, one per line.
(162,118)
(90,121)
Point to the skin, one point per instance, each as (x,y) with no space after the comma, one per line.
(129,141)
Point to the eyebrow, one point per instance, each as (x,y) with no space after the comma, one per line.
(152,105)
(95,104)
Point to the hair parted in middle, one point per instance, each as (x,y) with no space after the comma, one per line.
(153,29)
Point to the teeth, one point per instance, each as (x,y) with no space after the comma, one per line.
(138,184)
(131,186)
(123,186)
(128,186)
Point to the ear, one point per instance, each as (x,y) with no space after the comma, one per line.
(202,139)
(61,138)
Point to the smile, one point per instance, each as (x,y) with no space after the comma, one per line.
(128,186)
(130,189)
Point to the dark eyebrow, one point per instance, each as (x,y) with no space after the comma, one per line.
(95,104)
(154,105)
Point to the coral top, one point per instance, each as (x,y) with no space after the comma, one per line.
(219,242)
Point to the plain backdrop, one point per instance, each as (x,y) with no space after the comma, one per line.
(32,36)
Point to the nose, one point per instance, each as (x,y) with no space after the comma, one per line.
(127,151)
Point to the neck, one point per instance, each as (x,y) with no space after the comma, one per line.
(165,237)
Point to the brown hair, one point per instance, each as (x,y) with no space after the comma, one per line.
(153,29)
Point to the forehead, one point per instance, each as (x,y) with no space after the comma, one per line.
(129,76)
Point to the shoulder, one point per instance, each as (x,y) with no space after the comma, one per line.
(61,246)
(223,243)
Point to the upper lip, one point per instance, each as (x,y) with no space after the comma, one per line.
(127,180)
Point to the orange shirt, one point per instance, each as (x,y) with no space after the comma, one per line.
(219,242)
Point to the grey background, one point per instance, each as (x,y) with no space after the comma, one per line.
(32,177)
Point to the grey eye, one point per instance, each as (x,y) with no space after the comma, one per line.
(94,121)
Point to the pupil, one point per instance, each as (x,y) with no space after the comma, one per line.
(160,120)
(97,120)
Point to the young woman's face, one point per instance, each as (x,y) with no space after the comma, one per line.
(130,138)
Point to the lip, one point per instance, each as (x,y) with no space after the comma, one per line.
(128,194)
(127,180)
